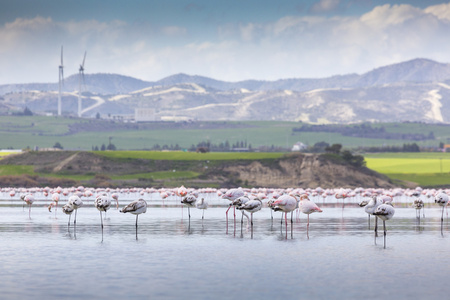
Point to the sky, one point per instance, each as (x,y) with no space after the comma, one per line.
(228,40)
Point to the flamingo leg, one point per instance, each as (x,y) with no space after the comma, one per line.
(29,212)
(226,214)
(252,223)
(75,221)
(384,233)
(376,226)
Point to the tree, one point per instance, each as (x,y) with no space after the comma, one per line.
(58,146)
(335,148)
(103,148)
(27,112)
(97,116)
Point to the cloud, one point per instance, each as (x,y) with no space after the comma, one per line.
(442,11)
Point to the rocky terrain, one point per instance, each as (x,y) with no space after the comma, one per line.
(292,170)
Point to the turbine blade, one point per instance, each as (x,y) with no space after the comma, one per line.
(82,65)
(61,56)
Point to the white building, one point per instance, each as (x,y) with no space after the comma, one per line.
(144,114)
(299,146)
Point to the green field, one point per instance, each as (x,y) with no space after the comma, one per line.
(425,169)
(19,132)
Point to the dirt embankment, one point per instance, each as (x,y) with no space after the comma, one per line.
(299,170)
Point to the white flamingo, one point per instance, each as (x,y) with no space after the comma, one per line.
(385,212)
(136,208)
(102,203)
(202,204)
(189,201)
(68,210)
(75,202)
(442,200)
(251,206)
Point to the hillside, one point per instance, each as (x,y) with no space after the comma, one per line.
(294,170)
(412,91)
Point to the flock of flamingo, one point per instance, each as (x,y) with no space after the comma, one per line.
(376,202)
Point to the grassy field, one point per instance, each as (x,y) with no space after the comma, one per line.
(39,131)
(425,169)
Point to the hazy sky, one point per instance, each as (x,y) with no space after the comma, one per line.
(229,40)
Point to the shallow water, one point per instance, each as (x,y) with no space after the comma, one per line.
(43,258)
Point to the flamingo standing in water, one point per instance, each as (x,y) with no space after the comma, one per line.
(55,199)
(286,203)
(202,204)
(68,210)
(442,200)
(232,195)
(251,206)
(418,205)
(370,209)
(115,196)
(136,208)
(75,202)
(102,203)
(29,199)
(385,212)
(189,201)
(308,207)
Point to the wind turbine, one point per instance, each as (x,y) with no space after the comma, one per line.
(61,81)
(80,77)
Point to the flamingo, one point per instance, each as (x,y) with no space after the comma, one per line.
(442,200)
(76,203)
(232,195)
(115,196)
(68,210)
(239,202)
(55,199)
(189,201)
(251,206)
(418,205)
(102,203)
(136,208)
(202,204)
(29,199)
(307,207)
(385,212)
(286,203)
(370,209)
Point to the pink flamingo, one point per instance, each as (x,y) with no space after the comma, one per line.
(55,199)
(232,195)
(286,203)
(29,199)
(307,207)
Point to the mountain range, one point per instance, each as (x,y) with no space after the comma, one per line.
(416,91)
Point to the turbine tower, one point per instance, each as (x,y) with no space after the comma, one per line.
(80,78)
(61,81)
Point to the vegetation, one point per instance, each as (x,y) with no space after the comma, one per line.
(88,134)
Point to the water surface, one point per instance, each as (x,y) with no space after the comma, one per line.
(172,257)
